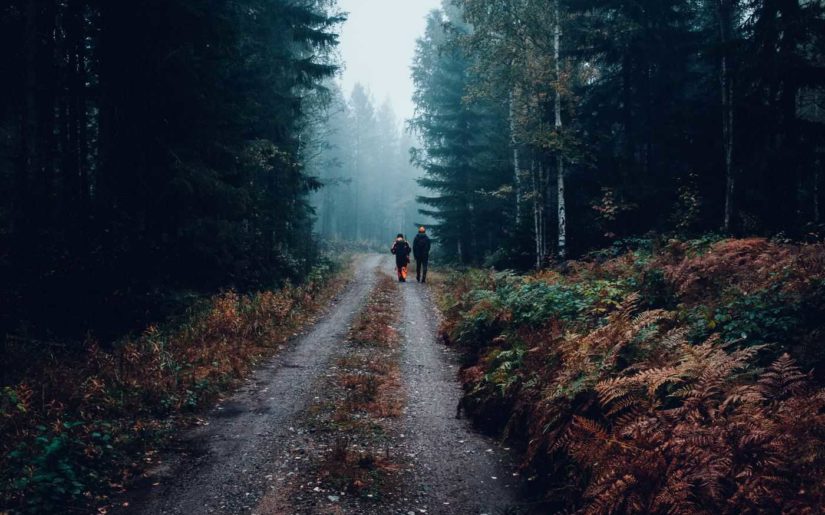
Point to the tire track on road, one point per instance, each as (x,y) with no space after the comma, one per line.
(458,471)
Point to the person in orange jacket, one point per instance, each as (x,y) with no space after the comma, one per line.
(402,251)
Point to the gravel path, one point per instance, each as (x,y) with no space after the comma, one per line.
(458,470)
(236,459)
(222,466)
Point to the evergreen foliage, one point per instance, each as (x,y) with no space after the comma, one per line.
(464,145)
(617,118)
(151,148)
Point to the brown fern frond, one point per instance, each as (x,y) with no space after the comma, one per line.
(631,402)
(613,389)
(782,378)
(612,498)
(646,319)
(675,498)
(591,427)
(742,394)
(643,430)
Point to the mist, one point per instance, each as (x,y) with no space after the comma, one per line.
(378,45)
(361,158)
(361,148)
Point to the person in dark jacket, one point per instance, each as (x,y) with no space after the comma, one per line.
(421,252)
(401,249)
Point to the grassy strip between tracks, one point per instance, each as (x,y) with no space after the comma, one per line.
(346,457)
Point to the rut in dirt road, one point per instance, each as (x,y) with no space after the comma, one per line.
(226,462)
(458,471)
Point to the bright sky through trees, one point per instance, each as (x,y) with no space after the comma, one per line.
(377,46)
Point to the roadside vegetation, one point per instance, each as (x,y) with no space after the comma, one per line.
(77,427)
(655,376)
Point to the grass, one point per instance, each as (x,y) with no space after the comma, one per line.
(353,423)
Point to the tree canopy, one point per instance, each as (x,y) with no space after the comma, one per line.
(623,117)
(152,148)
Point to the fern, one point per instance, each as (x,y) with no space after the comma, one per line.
(782,379)
(641,412)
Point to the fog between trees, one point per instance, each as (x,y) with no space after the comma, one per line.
(360,153)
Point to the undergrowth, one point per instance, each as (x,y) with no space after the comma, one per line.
(79,427)
(683,377)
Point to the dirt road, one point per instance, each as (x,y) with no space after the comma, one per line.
(228,465)
(458,471)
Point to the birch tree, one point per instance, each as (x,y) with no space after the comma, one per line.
(560,194)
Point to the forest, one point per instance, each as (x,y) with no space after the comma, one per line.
(659,164)
(361,156)
(151,150)
(571,124)
(628,268)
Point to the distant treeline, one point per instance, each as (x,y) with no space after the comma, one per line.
(151,147)
(361,156)
(553,127)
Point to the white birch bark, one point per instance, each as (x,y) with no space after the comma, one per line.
(514,143)
(562,210)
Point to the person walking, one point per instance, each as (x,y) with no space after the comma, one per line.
(402,250)
(421,252)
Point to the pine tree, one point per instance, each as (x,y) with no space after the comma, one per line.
(161,151)
(465,152)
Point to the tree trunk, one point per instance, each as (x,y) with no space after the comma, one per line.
(724,15)
(817,213)
(72,115)
(326,212)
(541,186)
(536,218)
(817,164)
(542,191)
(356,207)
(514,143)
(562,214)
(46,102)
(29,164)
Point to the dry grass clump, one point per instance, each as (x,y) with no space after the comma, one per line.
(357,470)
(375,324)
(362,401)
(371,375)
